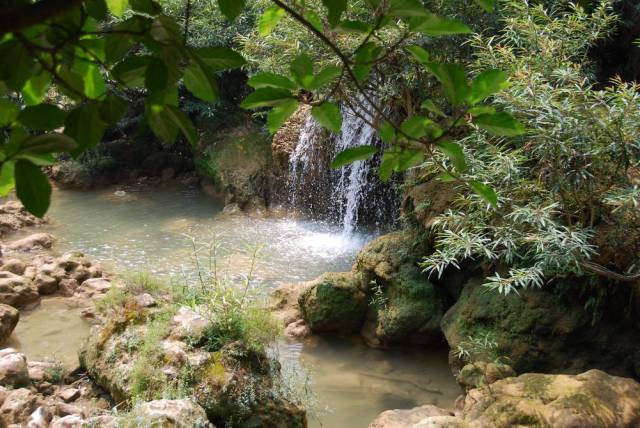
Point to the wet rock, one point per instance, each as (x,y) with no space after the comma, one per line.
(334,303)
(46,372)
(9,317)
(92,288)
(46,284)
(37,241)
(172,413)
(18,406)
(14,217)
(284,306)
(187,323)
(407,418)
(17,291)
(40,418)
(13,368)
(588,400)
(14,266)
(297,330)
(68,286)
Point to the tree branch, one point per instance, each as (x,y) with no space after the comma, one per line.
(18,17)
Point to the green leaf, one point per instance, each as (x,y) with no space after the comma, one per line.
(328,115)
(183,123)
(486,192)
(326,76)
(116,46)
(117,7)
(266,97)
(48,143)
(409,158)
(481,109)
(42,117)
(132,71)
(165,30)
(280,114)
(231,9)
(19,69)
(74,87)
(271,80)
(314,20)
(32,188)
(407,8)
(352,155)
(387,132)
(149,7)
(487,5)
(156,75)
(85,125)
(455,153)
(432,107)
(302,70)
(7,179)
(97,9)
(35,88)
(112,109)
(434,25)
(8,112)
(416,126)
(201,82)
(94,86)
(390,162)
(269,19)
(350,26)
(220,58)
(421,55)
(500,124)
(486,84)
(161,124)
(336,9)
(453,80)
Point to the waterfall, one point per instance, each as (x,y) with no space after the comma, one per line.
(352,195)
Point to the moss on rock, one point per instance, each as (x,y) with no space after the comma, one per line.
(334,303)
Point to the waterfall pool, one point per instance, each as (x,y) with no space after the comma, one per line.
(150,229)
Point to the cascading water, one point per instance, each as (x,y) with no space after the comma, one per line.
(352,195)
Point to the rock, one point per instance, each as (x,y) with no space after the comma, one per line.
(187,323)
(9,317)
(68,287)
(334,303)
(172,413)
(40,418)
(13,368)
(588,400)
(538,330)
(441,422)
(407,418)
(69,394)
(14,266)
(480,373)
(64,409)
(14,217)
(145,300)
(33,242)
(70,421)
(46,371)
(17,291)
(383,257)
(92,288)
(297,330)
(46,284)
(18,406)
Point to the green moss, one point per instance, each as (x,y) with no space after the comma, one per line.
(535,386)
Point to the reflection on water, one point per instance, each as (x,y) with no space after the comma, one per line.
(53,330)
(354,383)
(144,229)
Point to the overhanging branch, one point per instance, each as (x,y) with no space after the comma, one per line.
(17,18)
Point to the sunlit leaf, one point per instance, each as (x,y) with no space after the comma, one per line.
(269,19)
(486,84)
(280,114)
(455,153)
(500,124)
(328,115)
(486,192)
(353,154)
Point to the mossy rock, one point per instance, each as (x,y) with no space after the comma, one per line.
(407,311)
(334,304)
(383,257)
(538,330)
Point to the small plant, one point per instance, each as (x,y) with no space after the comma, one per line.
(56,372)
(479,347)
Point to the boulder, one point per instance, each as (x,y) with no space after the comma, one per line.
(17,291)
(592,399)
(93,288)
(538,330)
(15,266)
(37,241)
(284,305)
(40,418)
(407,418)
(46,284)
(480,373)
(9,317)
(14,217)
(334,303)
(18,406)
(13,368)
(69,421)
(171,413)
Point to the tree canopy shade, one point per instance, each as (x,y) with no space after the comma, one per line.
(73,63)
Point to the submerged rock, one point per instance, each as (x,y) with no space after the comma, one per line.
(334,303)
(9,317)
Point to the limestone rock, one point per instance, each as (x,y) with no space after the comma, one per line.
(93,288)
(592,399)
(407,418)
(16,291)
(13,368)
(9,317)
(69,394)
(172,413)
(18,406)
(37,241)
(334,304)
(441,422)
(70,421)
(14,217)
(187,323)
(46,284)
(14,266)
(40,418)
(480,373)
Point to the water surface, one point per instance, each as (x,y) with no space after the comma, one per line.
(148,229)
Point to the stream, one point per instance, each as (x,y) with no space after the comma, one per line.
(150,229)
